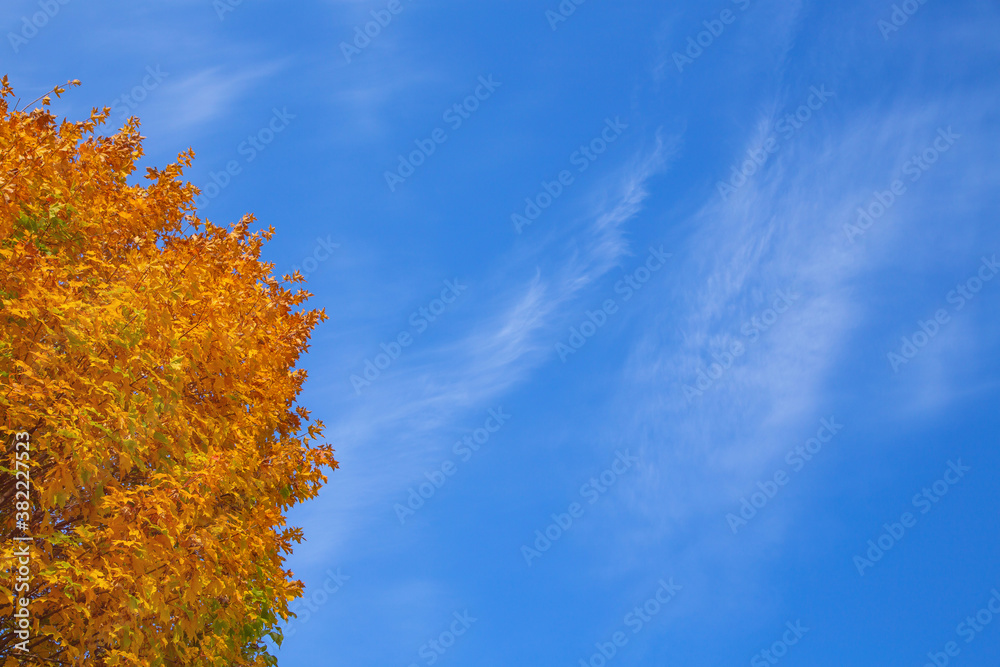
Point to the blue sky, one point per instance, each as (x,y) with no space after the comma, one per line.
(636,242)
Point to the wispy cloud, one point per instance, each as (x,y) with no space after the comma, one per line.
(784,231)
(403,423)
(195,101)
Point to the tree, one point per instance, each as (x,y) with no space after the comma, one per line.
(151,357)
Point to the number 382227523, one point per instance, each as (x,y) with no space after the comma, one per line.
(23,485)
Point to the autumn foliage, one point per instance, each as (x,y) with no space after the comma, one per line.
(152,357)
